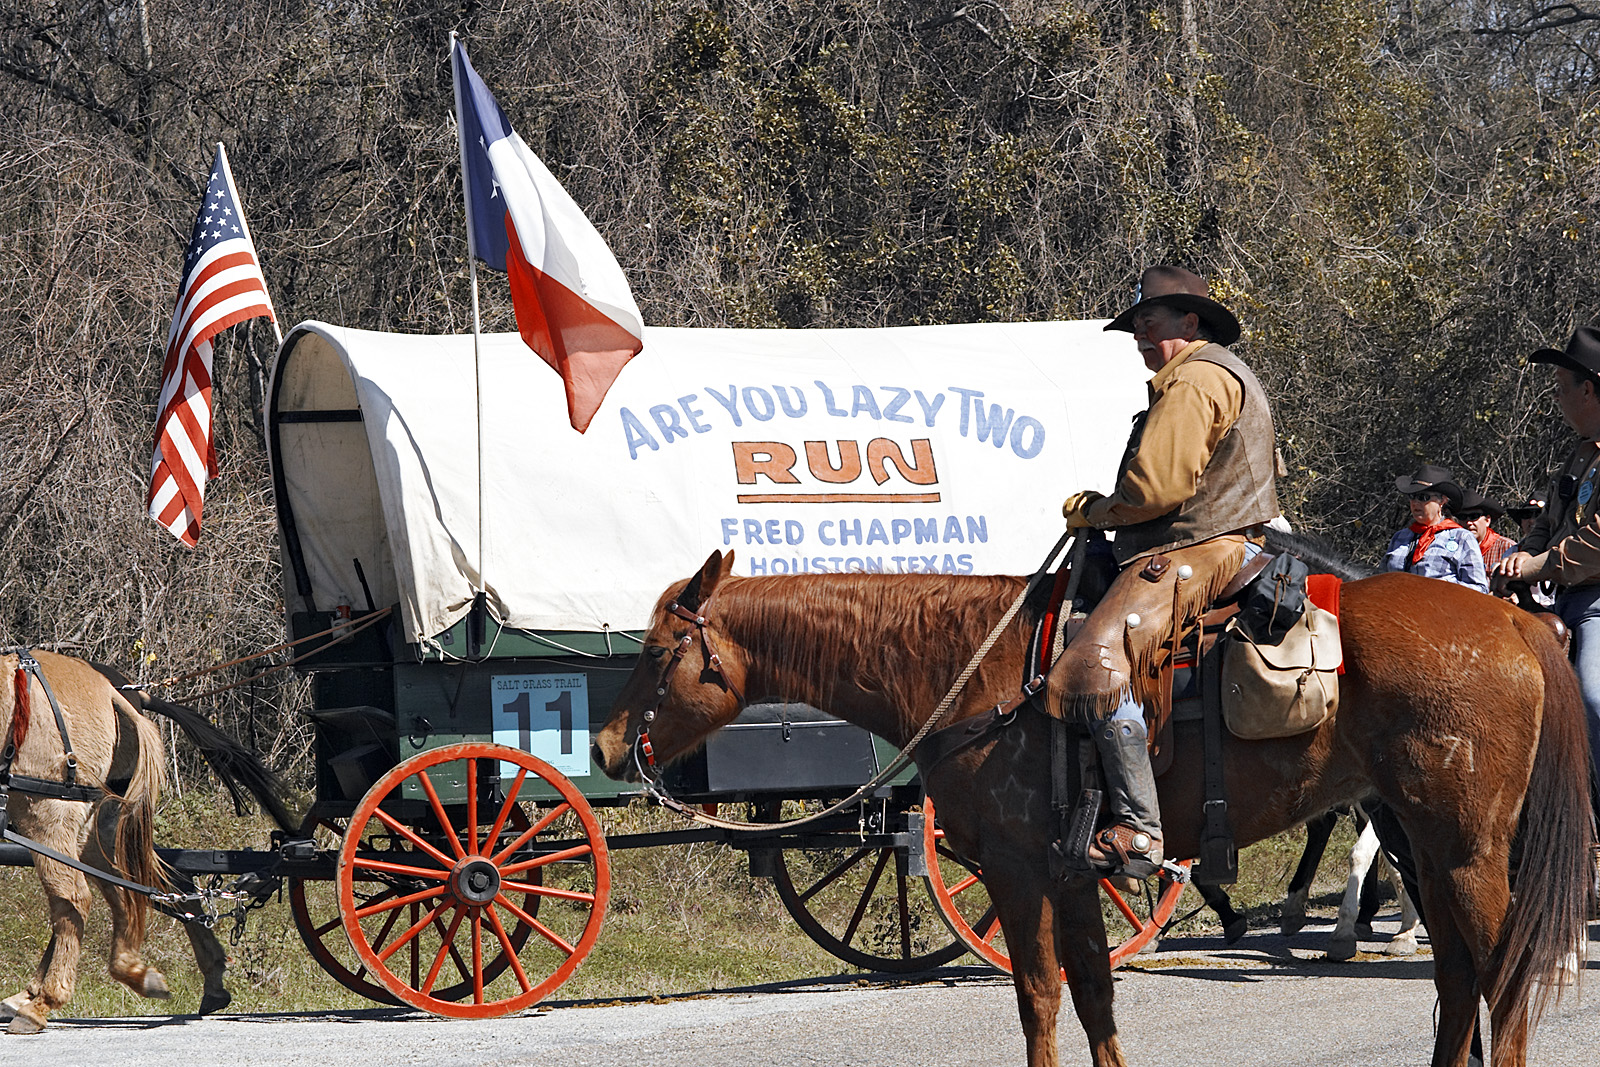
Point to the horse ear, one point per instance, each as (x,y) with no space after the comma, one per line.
(703,584)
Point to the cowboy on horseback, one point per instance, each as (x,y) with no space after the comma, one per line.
(1564,544)
(1194,490)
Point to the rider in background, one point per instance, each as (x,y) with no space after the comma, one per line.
(1477,514)
(1435,545)
(1193,493)
(1564,545)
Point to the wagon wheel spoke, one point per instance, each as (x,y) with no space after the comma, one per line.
(477,956)
(472,807)
(866,896)
(448,942)
(406,832)
(411,933)
(439,813)
(396,902)
(547,891)
(905,913)
(531,832)
(834,875)
(1121,905)
(446,948)
(522,916)
(402,870)
(506,809)
(506,947)
(383,936)
(576,852)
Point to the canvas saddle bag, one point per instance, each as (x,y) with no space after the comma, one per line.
(1282,689)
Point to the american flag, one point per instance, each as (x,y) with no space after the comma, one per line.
(222,285)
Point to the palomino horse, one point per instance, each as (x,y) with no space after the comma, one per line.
(117,750)
(1457,709)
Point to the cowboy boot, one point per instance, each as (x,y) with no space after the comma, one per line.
(1131,843)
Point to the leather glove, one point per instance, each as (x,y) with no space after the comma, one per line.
(1075,506)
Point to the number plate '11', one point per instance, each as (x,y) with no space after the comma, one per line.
(545,714)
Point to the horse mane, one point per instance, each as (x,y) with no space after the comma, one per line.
(1317,553)
(810,634)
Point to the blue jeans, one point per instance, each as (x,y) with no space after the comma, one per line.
(1580,610)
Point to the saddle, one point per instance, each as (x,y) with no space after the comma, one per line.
(1178,691)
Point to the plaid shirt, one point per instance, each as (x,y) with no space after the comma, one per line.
(1453,556)
(1495,548)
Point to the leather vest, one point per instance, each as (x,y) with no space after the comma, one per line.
(1236,489)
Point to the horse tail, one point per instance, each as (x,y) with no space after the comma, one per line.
(240,770)
(134,844)
(1547,919)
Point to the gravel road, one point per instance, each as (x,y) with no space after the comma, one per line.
(1266,1001)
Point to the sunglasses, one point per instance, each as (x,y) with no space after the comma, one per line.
(1426,495)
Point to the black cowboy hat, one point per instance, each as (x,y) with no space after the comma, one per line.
(1581,356)
(1185,290)
(1435,478)
(1475,503)
(1528,509)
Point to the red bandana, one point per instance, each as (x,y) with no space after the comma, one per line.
(1425,536)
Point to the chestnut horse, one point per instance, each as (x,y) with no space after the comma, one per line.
(119,751)
(1459,710)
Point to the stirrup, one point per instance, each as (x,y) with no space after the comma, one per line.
(1120,849)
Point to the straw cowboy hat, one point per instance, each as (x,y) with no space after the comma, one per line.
(1188,292)
(1435,478)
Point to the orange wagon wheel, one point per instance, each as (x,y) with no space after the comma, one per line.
(957,890)
(314,904)
(462,854)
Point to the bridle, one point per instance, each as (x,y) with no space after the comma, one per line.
(644,755)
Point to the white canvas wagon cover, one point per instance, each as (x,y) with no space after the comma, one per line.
(922,448)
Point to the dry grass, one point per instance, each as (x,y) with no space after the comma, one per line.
(681,919)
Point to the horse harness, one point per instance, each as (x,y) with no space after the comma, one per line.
(28,669)
(713,663)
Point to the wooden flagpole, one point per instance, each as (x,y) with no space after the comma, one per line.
(475,619)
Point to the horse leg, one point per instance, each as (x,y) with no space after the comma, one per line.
(212,959)
(1342,944)
(1318,831)
(1404,943)
(1234,925)
(68,895)
(1021,900)
(1455,978)
(1081,946)
(127,926)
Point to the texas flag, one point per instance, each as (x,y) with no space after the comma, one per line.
(572,303)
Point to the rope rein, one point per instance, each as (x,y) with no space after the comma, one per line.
(654,789)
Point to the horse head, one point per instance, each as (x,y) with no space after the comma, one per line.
(689,679)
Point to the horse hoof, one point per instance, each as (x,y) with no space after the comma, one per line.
(23,1023)
(1235,930)
(1341,950)
(154,986)
(215,1002)
(1288,926)
(1364,933)
(1401,947)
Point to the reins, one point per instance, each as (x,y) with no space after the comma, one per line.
(644,756)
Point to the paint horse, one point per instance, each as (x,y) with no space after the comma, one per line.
(118,752)
(1357,906)
(1457,709)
